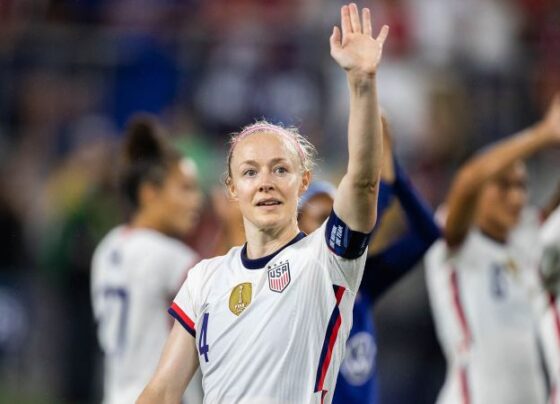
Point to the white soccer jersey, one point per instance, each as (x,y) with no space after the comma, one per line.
(550,320)
(135,273)
(272,330)
(481,296)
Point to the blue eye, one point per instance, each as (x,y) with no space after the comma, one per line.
(249,172)
(280,170)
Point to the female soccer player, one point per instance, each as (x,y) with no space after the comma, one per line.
(268,321)
(481,277)
(357,382)
(138,267)
(550,316)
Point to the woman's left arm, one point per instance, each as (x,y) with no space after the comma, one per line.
(355,50)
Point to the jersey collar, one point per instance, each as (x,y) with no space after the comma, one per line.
(259,263)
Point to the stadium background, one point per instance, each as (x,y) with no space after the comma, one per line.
(456,75)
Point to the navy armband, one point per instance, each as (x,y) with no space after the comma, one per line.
(342,241)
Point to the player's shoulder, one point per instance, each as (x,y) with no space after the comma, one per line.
(109,239)
(208,267)
(550,232)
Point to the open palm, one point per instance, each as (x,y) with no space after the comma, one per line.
(354,49)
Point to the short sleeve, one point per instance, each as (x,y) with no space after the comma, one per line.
(342,251)
(183,307)
(179,264)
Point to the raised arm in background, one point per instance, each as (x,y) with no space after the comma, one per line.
(467,185)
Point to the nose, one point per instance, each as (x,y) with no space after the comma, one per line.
(266,184)
(517,197)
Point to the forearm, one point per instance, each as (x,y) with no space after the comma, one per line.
(360,184)
(494,160)
(365,142)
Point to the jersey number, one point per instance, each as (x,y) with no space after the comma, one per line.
(203,347)
(114,319)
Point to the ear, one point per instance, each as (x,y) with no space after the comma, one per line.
(147,194)
(231,190)
(305,181)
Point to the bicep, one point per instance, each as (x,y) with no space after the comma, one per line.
(356,204)
(176,367)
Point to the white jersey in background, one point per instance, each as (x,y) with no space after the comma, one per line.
(135,274)
(550,320)
(482,296)
(273,330)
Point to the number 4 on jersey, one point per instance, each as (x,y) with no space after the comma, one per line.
(203,347)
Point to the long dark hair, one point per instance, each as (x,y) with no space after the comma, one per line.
(146,157)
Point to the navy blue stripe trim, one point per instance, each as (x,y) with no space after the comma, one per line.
(332,321)
(259,263)
(334,316)
(180,320)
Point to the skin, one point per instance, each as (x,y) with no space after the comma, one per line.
(264,167)
(501,202)
(173,207)
(475,197)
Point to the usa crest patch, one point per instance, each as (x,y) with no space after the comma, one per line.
(279,276)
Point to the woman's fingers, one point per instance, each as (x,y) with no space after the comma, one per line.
(355,18)
(366,21)
(345,21)
(335,38)
(383,34)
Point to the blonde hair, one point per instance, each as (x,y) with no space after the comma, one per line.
(305,150)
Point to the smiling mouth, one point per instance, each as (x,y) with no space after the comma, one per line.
(268,203)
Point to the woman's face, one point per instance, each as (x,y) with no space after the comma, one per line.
(266,179)
(502,201)
(179,199)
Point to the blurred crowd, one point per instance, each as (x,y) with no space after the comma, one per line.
(456,75)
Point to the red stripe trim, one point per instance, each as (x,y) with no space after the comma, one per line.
(553,395)
(464,381)
(552,302)
(182,314)
(339,294)
(458,306)
(327,361)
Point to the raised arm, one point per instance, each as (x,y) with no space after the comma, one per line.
(176,367)
(462,198)
(357,52)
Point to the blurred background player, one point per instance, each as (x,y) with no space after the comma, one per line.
(481,278)
(138,267)
(391,257)
(550,317)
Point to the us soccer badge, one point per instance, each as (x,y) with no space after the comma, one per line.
(240,298)
(279,276)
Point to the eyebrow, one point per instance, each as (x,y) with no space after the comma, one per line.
(273,161)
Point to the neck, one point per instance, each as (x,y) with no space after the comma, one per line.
(263,242)
(144,220)
(495,232)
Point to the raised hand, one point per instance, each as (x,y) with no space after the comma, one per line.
(354,49)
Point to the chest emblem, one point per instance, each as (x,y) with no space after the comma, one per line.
(240,298)
(279,276)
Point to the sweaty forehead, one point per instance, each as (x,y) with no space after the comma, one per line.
(263,146)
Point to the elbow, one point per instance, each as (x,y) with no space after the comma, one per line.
(365,185)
